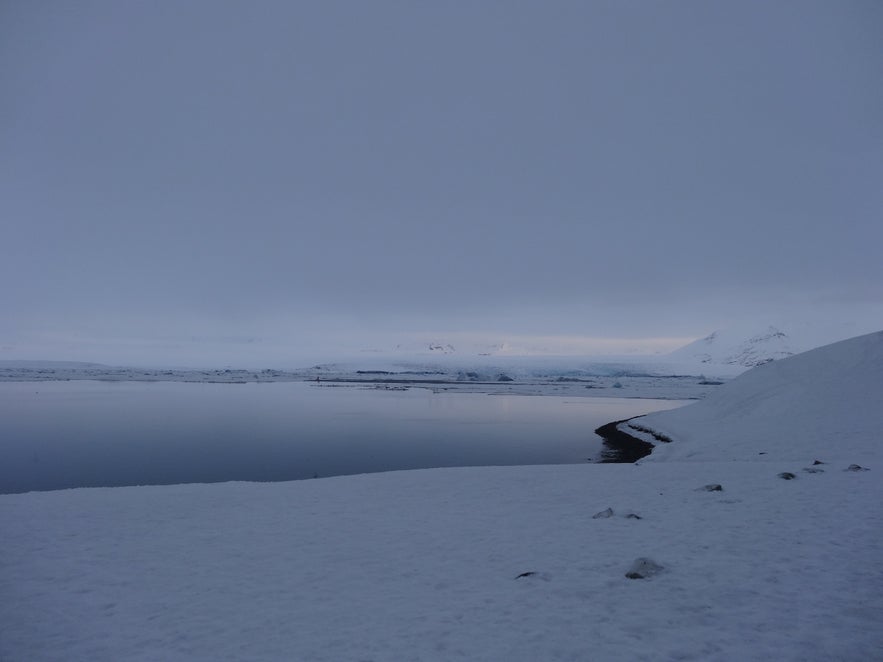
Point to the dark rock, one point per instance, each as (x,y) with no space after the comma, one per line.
(529,573)
(856,467)
(643,568)
(633,516)
(711,487)
(815,462)
(787,475)
(603,514)
(505,378)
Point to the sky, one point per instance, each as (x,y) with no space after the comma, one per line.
(232,182)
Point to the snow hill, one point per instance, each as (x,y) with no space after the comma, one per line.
(785,409)
(733,349)
(687,555)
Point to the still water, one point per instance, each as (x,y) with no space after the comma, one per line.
(56,435)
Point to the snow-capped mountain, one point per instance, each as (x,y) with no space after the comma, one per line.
(428,348)
(738,348)
(734,348)
(766,502)
(799,407)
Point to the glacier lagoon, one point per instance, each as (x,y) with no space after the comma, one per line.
(62,434)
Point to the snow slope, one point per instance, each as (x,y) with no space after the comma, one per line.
(734,348)
(492,563)
(822,402)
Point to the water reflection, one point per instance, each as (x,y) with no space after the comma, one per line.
(82,434)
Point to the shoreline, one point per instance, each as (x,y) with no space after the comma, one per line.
(621,447)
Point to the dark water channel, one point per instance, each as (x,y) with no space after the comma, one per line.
(57,435)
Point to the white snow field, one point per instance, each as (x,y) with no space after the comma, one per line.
(433,564)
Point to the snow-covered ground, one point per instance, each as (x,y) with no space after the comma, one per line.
(732,350)
(566,376)
(820,402)
(442,366)
(515,563)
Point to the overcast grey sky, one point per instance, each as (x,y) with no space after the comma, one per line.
(342,173)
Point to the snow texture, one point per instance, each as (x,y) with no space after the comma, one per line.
(513,376)
(491,563)
(822,403)
(720,348)
(732,350)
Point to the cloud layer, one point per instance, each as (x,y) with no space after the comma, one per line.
(326,169)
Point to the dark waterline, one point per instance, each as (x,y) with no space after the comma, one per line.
(56,435)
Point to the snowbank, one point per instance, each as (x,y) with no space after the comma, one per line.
(515,563)
(736,348)
(825,402)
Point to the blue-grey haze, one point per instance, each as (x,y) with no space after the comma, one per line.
(201,176)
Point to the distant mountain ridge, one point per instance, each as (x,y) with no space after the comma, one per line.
(796,408)
(732,348)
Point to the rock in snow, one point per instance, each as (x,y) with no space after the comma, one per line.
(643,568)
(419,565)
